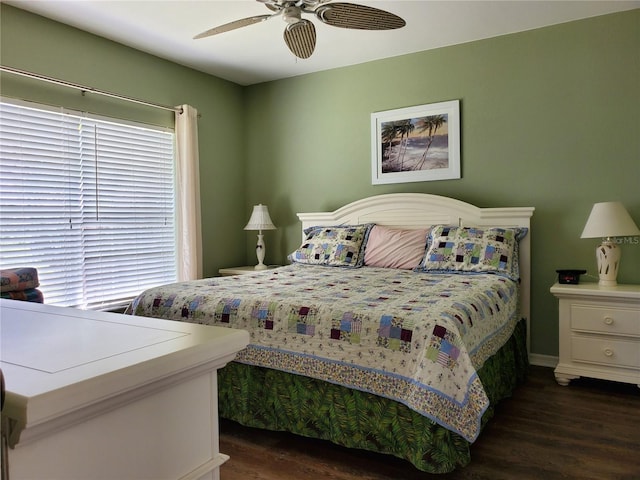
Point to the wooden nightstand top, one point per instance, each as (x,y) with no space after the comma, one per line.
(593,289)
(226,272)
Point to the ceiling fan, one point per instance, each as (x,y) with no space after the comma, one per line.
(300,33)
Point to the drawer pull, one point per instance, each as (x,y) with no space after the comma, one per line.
(608,352)
(608,320)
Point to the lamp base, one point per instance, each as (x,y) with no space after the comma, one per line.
(608,258)
(260,251)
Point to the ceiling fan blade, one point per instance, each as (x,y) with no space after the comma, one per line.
(300,37)
(360,17)
(244,22)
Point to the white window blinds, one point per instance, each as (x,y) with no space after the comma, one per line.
(90,203)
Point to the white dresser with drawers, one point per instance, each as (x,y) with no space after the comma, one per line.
(102,396)
(599,331)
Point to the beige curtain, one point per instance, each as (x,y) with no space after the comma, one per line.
(189,233)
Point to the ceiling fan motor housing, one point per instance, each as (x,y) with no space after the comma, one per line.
(292,14)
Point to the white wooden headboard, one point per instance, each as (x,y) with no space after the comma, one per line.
(418,210)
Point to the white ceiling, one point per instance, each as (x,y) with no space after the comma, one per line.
(257,53)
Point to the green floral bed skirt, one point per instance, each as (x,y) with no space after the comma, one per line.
(274,400)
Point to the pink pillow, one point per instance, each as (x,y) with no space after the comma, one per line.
(390,248)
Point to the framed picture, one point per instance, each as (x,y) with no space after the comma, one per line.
(416,144)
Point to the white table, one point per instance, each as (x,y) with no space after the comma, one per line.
(599,332)
(94,395)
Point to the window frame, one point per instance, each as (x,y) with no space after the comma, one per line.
(89,301)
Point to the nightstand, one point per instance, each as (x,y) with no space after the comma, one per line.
(599,332)
(227,272)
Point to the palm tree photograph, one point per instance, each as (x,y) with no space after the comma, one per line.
(415,144)
(418,143)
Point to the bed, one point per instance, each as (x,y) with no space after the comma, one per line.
(399,324)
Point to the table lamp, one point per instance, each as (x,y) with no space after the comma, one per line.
(608,220)
(260,220)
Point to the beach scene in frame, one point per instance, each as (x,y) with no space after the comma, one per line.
(416,144)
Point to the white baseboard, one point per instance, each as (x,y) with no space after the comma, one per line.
(543,360)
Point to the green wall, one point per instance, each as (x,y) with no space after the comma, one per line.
(550,118)
(33,43)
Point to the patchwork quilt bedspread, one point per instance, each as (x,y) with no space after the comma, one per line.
(416,338)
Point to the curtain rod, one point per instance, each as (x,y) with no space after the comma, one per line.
(84,89)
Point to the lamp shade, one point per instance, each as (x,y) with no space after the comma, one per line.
(609,219)
(260,219)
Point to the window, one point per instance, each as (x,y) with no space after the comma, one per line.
(89,202)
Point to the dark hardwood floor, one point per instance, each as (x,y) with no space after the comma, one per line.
(589,430)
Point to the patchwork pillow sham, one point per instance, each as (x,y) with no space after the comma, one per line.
(395,248)
(473,249)
(338,246)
